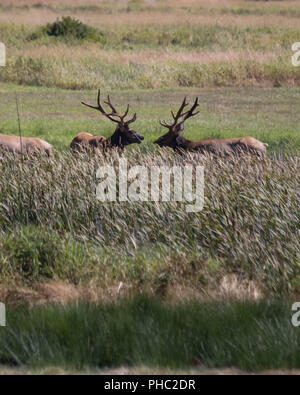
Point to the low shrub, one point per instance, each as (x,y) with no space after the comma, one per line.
(69,29)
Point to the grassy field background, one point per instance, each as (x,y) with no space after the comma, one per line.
(149,44)
(269,114)
(60,246)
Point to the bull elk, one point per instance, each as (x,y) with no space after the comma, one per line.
(24,145)
(122,136)
(174,138)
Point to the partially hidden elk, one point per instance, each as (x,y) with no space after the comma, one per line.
(232,146)
(24,145)
(122,136)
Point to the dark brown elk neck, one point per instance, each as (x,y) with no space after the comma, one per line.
(183,143)
(117,140)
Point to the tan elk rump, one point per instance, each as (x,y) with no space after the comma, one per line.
(122,136)
(87,141)
(24,145)
(174,138)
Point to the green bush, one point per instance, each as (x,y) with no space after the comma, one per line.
(69,28)
(33,253)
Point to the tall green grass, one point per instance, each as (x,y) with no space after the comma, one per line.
(143,331)
(249,224)
(91,72)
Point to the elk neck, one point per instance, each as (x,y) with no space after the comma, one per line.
(183,143)
(117,139)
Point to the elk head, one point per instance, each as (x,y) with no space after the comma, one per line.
(173,138)
(123,135)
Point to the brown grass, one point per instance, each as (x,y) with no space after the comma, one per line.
(144,56)
(60,292)
(38,17)
(174,12)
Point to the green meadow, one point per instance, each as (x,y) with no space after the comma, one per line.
(91,286)
(268,114)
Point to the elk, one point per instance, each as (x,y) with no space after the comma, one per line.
(174,138)
(122,136)
(24,145)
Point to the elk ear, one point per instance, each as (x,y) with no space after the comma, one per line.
(181,127)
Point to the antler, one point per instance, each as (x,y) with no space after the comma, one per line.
(114,112)
(184,116)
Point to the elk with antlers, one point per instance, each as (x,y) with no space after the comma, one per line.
(122,136)
(174,138)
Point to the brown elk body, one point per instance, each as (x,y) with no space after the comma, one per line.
(174,138)
(24,145)
(122,136)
